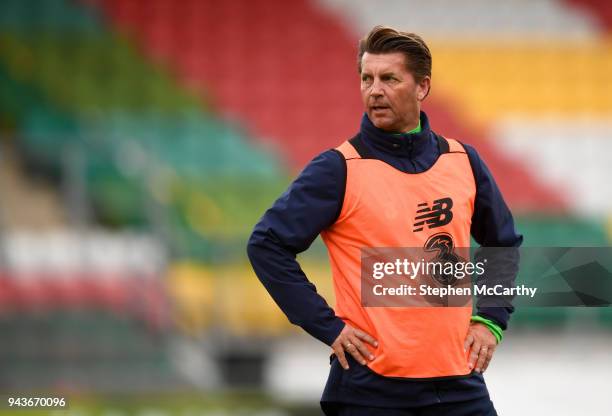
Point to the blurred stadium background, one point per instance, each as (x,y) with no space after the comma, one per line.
(140,140)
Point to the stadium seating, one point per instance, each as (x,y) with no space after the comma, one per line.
(190,118)
(114,103)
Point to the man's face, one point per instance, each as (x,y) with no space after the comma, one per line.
(390,94)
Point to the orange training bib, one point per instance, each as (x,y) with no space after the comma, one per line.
(385,207)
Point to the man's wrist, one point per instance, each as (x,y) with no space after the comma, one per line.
(334,332)
(493,327)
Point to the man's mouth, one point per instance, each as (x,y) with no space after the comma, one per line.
(379,108)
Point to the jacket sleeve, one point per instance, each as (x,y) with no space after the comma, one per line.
(310,204)
(493,226)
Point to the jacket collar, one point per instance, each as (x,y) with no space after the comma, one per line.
(405,144)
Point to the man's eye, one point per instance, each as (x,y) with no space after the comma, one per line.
(365,78)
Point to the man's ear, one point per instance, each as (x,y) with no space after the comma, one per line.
(423,88)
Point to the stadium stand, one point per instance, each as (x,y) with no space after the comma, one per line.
(71,86)
(285,112)
(224,64)
(184,120)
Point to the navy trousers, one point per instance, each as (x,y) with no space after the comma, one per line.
(477,407)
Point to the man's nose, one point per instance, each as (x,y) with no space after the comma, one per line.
(377,89)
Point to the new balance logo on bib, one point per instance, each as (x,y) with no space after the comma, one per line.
(438,215)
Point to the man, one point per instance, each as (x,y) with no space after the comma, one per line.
(366,193)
